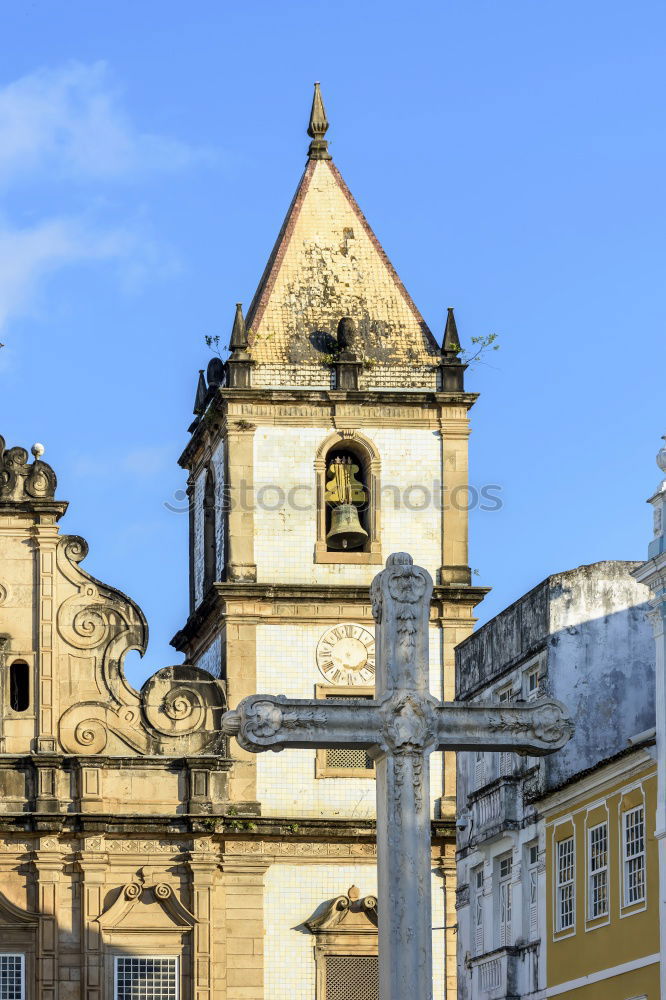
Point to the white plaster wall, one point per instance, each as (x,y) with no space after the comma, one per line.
(293,893)
(285,537)
(286,783)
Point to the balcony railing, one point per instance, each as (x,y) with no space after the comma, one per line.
(495,807)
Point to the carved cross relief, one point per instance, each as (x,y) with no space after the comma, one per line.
(400,728)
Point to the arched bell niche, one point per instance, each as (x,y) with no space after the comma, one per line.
(355,453)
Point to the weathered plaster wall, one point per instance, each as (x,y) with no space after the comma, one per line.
(600,662)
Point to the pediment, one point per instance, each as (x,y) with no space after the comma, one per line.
(348,914)
(155,909)
(12,915)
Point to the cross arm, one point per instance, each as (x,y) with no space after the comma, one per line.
(537,727)
(265,722)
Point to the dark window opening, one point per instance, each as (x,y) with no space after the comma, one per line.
(209,532)
(19,686)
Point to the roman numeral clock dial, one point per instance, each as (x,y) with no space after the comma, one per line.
(346,655)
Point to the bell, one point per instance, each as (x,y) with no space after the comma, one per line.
(346,530)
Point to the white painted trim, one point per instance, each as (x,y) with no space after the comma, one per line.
(598,977)
(602,777)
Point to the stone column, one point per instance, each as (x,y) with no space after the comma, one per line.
(47,866)
(92,863)
(454,430)
(203,863)
(243,879)
(240,484)
(46,536)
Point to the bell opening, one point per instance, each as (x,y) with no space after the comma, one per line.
(346,499)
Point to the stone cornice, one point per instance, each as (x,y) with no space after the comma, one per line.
(330,406)
(222,826)
(220,600)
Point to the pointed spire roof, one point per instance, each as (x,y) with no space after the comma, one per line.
(238,340)
(327,263)
(451,342)
(317,128)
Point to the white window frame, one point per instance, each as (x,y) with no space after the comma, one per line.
(477,909)
(21,956)
(565,887)
(597,871)
(627,858)
(504,900)
(146,958)
(533,671)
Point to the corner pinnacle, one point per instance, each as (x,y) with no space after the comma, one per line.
(238,340)
(451,342)
(317,128)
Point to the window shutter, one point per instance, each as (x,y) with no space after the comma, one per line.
(352,977)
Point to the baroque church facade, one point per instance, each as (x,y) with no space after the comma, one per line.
(141,853)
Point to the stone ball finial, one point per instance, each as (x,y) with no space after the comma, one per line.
(661,456)
(353,893)
(37,450)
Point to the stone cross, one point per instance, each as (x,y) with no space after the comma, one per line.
(400,728)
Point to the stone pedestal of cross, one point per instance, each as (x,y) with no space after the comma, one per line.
(400,728)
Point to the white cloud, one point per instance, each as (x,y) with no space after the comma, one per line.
(70,122)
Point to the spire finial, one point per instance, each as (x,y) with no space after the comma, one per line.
(317,128)
(451,342)
(238,340)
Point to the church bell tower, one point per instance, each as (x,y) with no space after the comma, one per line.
(334,434)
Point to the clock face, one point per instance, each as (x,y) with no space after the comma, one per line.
(346,655)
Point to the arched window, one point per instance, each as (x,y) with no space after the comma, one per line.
(347,471)
(19,686)
(209,531)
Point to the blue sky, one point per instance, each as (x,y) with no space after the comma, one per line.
(508,153)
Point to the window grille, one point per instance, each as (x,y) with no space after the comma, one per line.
(566,891)
(505,900)
(146,978)
(477,885)
(12,977)
(345,757)
(634,856)
(342,757)
(598,871)
(352,977)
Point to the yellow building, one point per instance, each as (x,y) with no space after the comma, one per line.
(602,905)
